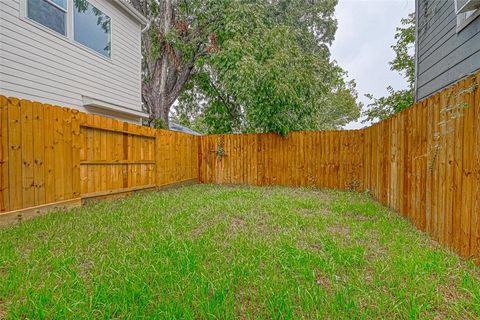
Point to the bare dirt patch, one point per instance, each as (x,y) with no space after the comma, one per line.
(198,231)
(316,247)
(310,193)
(312,212)
(3,309)
(324,282)
(358,216)
(347,236)
(374,249)
(236,224)
(246,303)
(339,230)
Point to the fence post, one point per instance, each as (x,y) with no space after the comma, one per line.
(76,153)
(475,249)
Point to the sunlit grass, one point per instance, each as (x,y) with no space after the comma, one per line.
(224,252)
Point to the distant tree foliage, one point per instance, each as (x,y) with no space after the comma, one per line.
(404,63)
(244,66)
(271,72)
(179,33)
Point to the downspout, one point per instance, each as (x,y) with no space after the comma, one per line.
(147,26)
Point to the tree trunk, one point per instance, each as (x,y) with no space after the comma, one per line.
(161,107)
(165,74)
(158,105)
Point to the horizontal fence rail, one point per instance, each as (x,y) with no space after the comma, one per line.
(115,156)
(51,154)
(423,162)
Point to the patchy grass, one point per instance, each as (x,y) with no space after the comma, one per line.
(223,252)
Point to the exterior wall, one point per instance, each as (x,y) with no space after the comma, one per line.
(40,65)
(444,55)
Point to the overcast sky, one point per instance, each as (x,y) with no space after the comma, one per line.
(366,30)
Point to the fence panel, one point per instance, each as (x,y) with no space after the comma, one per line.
(115,156)
(37,154)
(177,157)
(319,159)
(51,154)
(424,163)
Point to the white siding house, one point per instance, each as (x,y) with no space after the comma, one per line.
(84,54)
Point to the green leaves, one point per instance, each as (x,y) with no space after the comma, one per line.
(403,63)
(272,72)
(249,66)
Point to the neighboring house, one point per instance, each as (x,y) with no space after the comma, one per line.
(448,43)
(179,128)
(84,54)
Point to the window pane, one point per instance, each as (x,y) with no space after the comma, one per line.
(92,27)
(60,3)
(47,14)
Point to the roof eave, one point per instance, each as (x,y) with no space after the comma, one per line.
(133,12)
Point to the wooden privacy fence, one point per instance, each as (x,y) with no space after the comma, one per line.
(115,156)
(54,155)
(423,162)
(324,159)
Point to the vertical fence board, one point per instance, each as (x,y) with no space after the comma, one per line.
(67,141)
(49,141)
(4,160)
(76,150)
(15,154)
(38,153)
(28,190)
(475,161)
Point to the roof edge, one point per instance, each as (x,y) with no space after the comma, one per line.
(132,11)
(104,105)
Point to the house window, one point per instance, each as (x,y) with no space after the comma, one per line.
(467,11)
(91,27)
(50,13)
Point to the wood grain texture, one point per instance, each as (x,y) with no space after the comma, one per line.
(301,159)
(4,178)
(50,154)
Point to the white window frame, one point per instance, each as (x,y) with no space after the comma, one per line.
(66,11)
(56,5)
(465,18)
(69,37)
(84,46)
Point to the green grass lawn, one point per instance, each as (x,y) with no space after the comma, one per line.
(223,252)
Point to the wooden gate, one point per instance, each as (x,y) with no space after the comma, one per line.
(115,156)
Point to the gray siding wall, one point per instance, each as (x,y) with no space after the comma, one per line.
(444,56)
(37,64)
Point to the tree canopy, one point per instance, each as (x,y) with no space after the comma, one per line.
(403,63)
(253,66)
